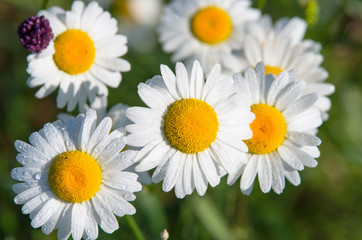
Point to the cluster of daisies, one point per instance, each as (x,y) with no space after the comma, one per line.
(246,101)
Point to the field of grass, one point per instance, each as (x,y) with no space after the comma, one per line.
(326,205)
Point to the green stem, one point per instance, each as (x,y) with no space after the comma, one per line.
(45,4)
(133,225)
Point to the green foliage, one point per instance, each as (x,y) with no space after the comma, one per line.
(327,204)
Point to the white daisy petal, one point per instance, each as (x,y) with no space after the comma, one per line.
(87,129)
(44,214)
(196,80)
(188,185)
(112,150)
(151,97)
(182,81)
(25,173)
(198,178)
(107,220)
(35,202)
(153,158)
(179,31)
(293,90)
(55,139)
(65,227)
(300,105)
(72,207)
(110,78)
(293,177)
(170,80)
(172,171)
(278,182)
(282,48)
(78,221)
(95,31)
(289,157)
(105,142)
(49,226)
(251,169)
(197,164)
(117,64)
(91,228)
(28,194)
(303,138)
(21,187)
(283,142)
(208,168)
(103,128)
(265,173)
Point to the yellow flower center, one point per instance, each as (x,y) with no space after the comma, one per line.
(273,70)
(211,25)
(269,129)
(191,125)
(74,51)
(75,176)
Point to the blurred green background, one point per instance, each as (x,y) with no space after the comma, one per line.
(327,204)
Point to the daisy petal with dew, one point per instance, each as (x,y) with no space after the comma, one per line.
(118,122)
(83,57)
(206,30)
(191,131)
(283,130)
(74,178)
(281,47)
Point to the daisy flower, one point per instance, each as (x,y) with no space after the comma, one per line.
(192,129)
(73,177)
(285,120)
(83,57)
(281,47)
(207,30)
(119,122)
(139,12)
(138,20)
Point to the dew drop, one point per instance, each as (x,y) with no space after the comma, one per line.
(37,176)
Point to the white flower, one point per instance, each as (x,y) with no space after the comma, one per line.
(138,19)
(207,30)
(192,129)
(119,122)
(139,12)
(82,58)
(74,178)
(281,47)
(285,120)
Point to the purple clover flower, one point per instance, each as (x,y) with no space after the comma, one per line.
(35,34)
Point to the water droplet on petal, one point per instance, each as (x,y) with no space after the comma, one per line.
(37,176)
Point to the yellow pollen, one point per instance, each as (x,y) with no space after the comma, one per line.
(74,51)
(191,125)
(269,129)
(273,70)
(211,25)
(75,176)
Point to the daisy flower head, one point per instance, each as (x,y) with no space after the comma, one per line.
(73,177)
(283,141)
(192,129)
(207,30)
(83,57)
(119,122)
(138,19)
(281,47)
